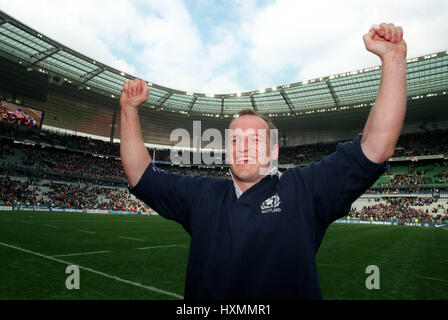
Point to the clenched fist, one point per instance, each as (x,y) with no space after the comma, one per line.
(386,40)
(135,92)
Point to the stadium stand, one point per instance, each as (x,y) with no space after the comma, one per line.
(54,170)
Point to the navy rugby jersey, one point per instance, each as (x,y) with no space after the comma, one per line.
(260,245)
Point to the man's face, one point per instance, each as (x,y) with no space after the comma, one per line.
(248,148)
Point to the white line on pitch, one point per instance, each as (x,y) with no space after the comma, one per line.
(323,264)
(136,284)
(429,278)
(156,247)
(51,226)
(129,238)
(85,231)
(27,222)
(79,254)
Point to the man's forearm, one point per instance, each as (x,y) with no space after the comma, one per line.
(134,155)
(386,117)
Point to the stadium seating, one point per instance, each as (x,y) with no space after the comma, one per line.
(41,167)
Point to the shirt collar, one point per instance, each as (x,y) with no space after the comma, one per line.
(274,172)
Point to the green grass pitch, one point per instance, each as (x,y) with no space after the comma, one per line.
(145,257)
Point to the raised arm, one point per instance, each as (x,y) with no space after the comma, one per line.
(386,117)
(134,155)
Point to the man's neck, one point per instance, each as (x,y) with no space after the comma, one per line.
(242,186)
(245,185)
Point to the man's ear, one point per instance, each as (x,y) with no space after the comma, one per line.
(275,152)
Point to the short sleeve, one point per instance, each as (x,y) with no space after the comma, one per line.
(170,195)
(340,178)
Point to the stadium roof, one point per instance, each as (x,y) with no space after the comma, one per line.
(358,88)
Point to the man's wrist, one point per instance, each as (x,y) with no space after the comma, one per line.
(128,110)
(394,59)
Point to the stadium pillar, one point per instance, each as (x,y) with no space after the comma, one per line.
(434,124)
(112,126)
(284,139)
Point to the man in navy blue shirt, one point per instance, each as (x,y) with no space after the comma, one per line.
(255,236)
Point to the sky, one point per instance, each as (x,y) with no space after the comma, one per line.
(231,46)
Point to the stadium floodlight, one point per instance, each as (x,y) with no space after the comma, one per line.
(190,93)
(430,56)
(238,94)
(305,82)
(274,88)
(123,74)
(261,91)
(210,95)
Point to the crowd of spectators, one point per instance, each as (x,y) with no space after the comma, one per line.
(441,177)
(121,199)
(402,190)
(408,179)
(86,173)
(59,194)
(87,195)
(13,191)
(420,144)
(409,145)
(55,161)
(305,154)
(402,210)
(72,195)
(87,166)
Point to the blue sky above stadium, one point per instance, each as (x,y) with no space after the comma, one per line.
(233,45)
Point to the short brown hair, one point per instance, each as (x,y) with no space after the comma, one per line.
(251,112)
